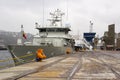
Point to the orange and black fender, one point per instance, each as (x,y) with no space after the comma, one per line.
(68,50)
(40,54)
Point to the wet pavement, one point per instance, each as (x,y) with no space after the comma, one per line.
(94,65)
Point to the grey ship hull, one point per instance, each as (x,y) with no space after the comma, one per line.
(26,53)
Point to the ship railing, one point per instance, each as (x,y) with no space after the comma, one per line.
(16,63)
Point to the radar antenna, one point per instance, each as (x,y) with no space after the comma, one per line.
(56,17)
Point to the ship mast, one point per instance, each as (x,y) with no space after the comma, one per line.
(56,17)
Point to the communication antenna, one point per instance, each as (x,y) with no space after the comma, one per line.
(91,27)
(67,8)
(67,16)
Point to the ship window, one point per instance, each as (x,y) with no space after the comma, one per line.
(60,30)
(50,30)
(47,30)
(54,30)
(42,30)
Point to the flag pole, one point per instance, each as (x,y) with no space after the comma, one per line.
(22,34)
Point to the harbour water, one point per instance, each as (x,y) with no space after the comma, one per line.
(6,59)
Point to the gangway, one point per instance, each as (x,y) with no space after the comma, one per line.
(82,44)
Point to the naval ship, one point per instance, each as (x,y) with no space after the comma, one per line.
(53,39)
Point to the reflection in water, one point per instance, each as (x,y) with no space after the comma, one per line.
(6,59)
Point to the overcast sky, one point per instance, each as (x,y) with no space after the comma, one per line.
(13,13)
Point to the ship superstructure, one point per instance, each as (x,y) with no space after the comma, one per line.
(55,34)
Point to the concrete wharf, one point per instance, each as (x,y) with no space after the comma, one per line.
(88,65)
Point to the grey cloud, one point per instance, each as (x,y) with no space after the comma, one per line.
(13,13)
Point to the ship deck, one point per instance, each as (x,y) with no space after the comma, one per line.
(92,65)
